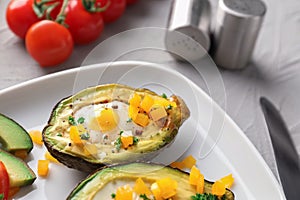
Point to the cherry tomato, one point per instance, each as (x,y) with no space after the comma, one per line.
(4,182)
(49,43)
(20,16)
(129,2)
(114,10)
(84,26)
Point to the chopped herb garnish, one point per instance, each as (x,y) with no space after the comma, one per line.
(72,120)
(143,196)
(59,134)
(164,95)
(113,195)
(135,140)
(121,132)
(80,120)
(118,143)
(169,107)
(85,136)
(204,196)
(1,196)
(129,120)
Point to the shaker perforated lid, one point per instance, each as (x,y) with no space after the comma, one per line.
(236,29)
(246,7)
(187,36)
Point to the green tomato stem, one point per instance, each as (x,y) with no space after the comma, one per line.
(42,7)
(61,17)
(92,7)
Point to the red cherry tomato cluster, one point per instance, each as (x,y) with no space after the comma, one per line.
(51,28)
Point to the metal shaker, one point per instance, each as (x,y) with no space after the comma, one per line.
(189,21)
(237,25)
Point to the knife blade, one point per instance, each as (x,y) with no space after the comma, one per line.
(286,155)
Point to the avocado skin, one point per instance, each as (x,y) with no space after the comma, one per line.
(135,170)
(19,172)
(17,139)
(82,164)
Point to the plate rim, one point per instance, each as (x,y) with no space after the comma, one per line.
(250,145)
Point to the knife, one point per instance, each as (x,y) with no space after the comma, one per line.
(286,155)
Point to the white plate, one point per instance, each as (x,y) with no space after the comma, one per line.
(209,134)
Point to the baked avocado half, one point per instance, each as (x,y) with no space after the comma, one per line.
(111,124)
(104,182)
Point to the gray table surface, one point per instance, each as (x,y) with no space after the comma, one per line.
(274,70)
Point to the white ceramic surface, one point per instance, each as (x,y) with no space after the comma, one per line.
(209,134)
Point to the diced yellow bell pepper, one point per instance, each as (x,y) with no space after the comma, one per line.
(178,165)
(218,188)
(194,176)
(200,184)
(189,162)
(147,103)
(49,157)
(107,120)
(36,137)
(126,141)
(135,100)
(156,191)
(74,135)
(164,102)
(43,167)
(124,193)
(21,154)
(227,180)
(142,119)
(168,187)
(141,188)
(132,112)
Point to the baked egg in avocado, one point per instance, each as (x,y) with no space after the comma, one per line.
(113,123)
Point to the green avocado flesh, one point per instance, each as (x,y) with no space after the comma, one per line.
(18,171)
(13,137)
(104,182)
(100,147)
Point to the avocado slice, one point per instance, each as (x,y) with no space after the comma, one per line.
(102,183)
(18,171)
(99,147)
(13,136)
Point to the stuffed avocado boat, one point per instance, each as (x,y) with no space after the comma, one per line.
(111,124)
(145,181)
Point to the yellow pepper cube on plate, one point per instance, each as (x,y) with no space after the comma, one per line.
(227,180)
(43,167)
(36,137)
(218,188)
